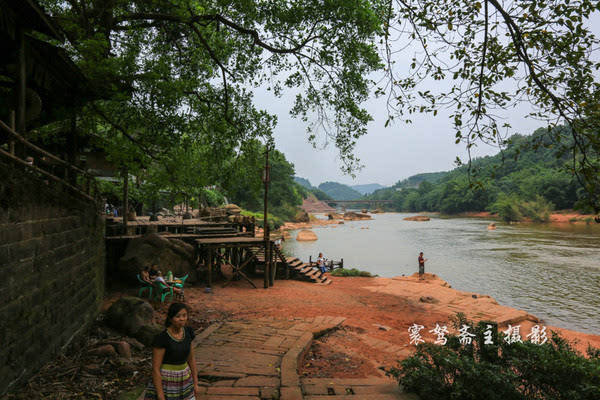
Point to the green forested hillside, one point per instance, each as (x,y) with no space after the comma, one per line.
(304,182)
(339,191)
(531,172)
(367,188)
(415,180)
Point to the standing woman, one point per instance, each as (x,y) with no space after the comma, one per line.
(174,374)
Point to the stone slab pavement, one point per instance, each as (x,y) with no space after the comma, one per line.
(258,360)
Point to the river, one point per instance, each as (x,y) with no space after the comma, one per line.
(551,271)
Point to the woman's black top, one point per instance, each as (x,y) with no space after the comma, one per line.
(176,351)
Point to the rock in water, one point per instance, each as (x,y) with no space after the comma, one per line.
(491,226)
(417,218)
(306,235)
(354,216)
(302,216)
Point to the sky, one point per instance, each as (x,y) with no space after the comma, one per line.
(388,154)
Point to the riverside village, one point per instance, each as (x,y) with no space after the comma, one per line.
(299,200)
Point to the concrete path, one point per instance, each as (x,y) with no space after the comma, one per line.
(258,359)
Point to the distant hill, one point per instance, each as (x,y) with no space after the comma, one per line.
(415,180)
(368,188)
(304,182)
(531,171)
(339,191)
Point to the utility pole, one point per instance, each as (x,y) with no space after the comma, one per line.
(266,179)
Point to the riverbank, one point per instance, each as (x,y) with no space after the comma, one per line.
(557,217)
(378,313)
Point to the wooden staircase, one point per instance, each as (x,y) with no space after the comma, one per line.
(298,269)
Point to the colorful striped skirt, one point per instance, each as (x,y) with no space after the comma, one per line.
(177,383)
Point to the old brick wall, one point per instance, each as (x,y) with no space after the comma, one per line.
(51,270)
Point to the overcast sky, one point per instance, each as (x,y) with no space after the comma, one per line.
(388,154)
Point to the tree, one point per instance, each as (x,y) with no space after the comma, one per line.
(544,49)
(187,66)
(169,68)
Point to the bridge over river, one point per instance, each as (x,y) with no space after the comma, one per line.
(349,202)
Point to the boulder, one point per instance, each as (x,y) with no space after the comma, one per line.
(232,209)
(354,216)
(153,249)
(306,235)
(417,218)
(147,333)
(377,211)
(302,216)
(491,226)
(364,211)
(129,314)
(335,216)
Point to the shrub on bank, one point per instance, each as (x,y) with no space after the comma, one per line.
(274,222)
(512,208)
(517,371)
(350,272)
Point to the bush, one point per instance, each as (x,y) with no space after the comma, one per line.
(350,272)
(518,371)
(512,208)
(274,222)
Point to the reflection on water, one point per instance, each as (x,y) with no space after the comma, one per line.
(552,272)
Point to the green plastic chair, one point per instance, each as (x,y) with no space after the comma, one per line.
(145,285)
(163,291)
(182,279)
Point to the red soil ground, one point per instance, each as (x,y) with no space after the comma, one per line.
(367,303)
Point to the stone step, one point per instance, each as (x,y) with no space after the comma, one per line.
(349,389)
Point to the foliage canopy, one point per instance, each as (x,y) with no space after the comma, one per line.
(186,68)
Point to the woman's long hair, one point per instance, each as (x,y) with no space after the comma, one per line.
(174,309)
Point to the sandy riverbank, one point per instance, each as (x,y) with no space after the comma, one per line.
(557,217)
(367,303)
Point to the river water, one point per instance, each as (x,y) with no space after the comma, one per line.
(551,271)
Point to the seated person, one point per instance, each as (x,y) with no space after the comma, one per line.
(321,263)
(153,272)
(145,275)
(160,279)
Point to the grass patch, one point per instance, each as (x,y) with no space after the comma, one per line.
(350,272)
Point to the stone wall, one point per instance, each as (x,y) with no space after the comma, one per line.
(51,270)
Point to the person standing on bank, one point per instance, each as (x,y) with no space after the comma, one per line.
(174,374)
(421,265)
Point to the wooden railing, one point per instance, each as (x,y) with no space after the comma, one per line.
(77,180)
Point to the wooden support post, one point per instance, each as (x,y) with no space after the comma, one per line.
(273,263)
(266,274)
(210,265)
